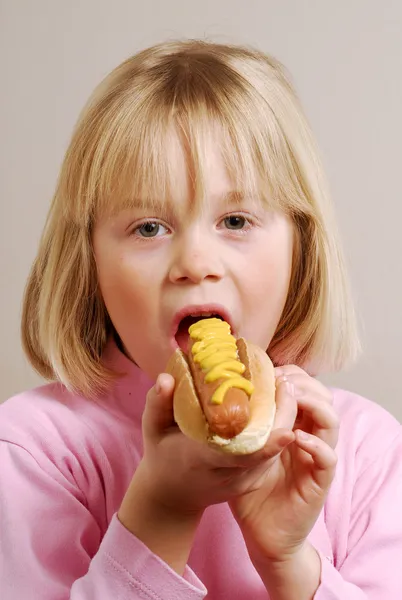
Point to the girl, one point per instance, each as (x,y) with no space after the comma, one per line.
(192,184)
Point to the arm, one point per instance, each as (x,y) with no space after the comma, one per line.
(295,579)
(51,545)
(371,569)
(167,533)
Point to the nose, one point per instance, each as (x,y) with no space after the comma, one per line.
(195,260)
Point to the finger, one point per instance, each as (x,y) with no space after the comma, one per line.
(286,406)
(306,387)
(158,413)
(289,370)
(281,435)
(325,421)
(305,384)
(282,431)
(324,458)
(278,440)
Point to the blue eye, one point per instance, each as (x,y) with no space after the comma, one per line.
(235,222)
(149,229)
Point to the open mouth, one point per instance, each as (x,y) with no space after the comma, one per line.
(182,336)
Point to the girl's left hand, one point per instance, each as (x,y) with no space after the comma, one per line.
(278,514)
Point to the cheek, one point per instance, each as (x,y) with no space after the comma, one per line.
(264,301)
(121,284)
(267,274)
(267,285)
(269,270)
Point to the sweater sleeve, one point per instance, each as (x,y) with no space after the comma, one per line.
(371,569)
(51,546)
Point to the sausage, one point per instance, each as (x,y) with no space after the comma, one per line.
(227,419)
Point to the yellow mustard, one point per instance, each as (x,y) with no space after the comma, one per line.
(216,352)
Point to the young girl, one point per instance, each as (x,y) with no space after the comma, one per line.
(192,185)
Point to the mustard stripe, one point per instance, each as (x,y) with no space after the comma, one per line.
(216,352)
(225,369)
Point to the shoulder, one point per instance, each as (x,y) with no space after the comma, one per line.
(43,439)
(71,441)
(46,411)
(46,408)
(50,420)
(367,430)
(58,442)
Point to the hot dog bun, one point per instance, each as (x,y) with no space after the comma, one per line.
(190,417)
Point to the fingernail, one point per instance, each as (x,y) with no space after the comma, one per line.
(303,435)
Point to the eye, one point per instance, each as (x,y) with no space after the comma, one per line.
(150,229)
(236,222)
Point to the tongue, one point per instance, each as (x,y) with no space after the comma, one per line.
(183,339)
(182,335)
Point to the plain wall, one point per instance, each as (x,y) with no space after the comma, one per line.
(346,61)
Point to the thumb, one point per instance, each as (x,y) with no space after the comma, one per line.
(286,405)
(158,413)
(282,431)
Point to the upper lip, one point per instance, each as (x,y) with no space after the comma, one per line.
(198,309)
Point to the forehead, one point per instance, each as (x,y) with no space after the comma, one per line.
(201,177)
(187,172)
(178,177)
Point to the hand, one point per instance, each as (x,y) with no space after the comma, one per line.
(184,476)
(277,517)
(178,478)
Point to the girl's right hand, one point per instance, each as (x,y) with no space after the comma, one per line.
(181,476)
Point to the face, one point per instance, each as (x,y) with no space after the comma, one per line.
(233,258)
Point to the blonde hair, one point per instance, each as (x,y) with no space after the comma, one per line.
(118,154)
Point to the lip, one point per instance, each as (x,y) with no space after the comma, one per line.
(194,309)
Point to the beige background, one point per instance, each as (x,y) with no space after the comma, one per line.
(346,60)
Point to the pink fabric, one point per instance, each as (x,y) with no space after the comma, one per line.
(66,462)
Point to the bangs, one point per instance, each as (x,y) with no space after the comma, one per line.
(124,146)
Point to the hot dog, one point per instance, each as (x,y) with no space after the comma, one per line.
(225,389)
(218,378)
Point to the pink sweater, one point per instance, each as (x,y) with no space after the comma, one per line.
(66,463)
